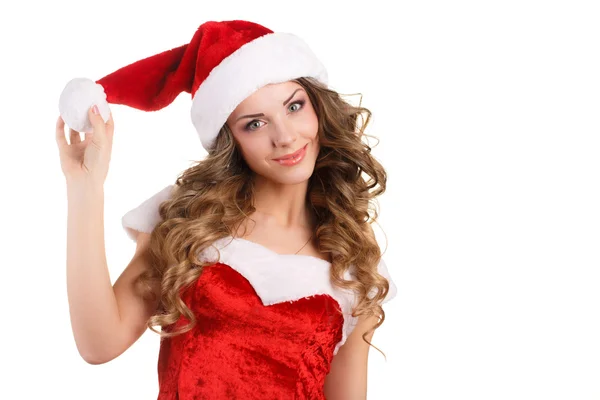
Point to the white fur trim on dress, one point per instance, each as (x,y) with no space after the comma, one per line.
(273,58)
(145,216)
(275,277)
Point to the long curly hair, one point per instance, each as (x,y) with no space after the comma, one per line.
(217,193)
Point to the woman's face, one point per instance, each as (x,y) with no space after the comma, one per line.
(286,122)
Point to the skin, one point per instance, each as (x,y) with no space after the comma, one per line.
(284,222)
(119,315)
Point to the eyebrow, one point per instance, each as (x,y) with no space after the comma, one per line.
(261,114)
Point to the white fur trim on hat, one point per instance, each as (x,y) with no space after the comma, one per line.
(76,99)
(273,58)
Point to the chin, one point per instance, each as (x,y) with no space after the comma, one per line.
(292,178)
(289,175)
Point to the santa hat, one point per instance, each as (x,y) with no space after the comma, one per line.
(224,63)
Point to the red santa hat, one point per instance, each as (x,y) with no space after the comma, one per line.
(224,63)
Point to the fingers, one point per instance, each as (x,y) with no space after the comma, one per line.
(75,138)
(61,140)
(110,127)
(86,140)
(99,128)
(110,121)
(60,134)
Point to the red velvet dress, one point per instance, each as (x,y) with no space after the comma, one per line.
(268,324)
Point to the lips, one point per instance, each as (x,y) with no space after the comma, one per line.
(291,155)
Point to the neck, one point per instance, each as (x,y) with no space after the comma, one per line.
(282,205)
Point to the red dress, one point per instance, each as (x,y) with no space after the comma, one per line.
(268,324)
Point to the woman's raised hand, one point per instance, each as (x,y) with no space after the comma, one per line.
(87,160)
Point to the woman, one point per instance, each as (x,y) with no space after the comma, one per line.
(259,263)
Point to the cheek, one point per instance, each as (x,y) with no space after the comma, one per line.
(313,125)
(313,130)
(317,148)
(255,151)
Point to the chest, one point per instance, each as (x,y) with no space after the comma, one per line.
(254,279)
(283,241)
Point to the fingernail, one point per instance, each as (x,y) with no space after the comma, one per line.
(95,109)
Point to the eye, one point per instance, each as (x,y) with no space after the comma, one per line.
(248,127)
(301,102)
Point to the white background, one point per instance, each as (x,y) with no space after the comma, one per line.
(487,114)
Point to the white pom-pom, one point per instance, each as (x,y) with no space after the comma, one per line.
(76,99)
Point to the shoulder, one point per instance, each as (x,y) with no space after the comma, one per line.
(145,215)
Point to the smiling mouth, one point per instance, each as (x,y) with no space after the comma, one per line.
(292,155)
(292,161)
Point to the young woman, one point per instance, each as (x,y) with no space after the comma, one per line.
(259,263)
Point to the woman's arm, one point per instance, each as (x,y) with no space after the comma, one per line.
(105,321)
(347,379)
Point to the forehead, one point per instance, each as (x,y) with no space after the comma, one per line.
(275,93)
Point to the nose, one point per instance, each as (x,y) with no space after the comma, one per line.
(284,133)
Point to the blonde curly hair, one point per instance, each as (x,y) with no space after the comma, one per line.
(217,193)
